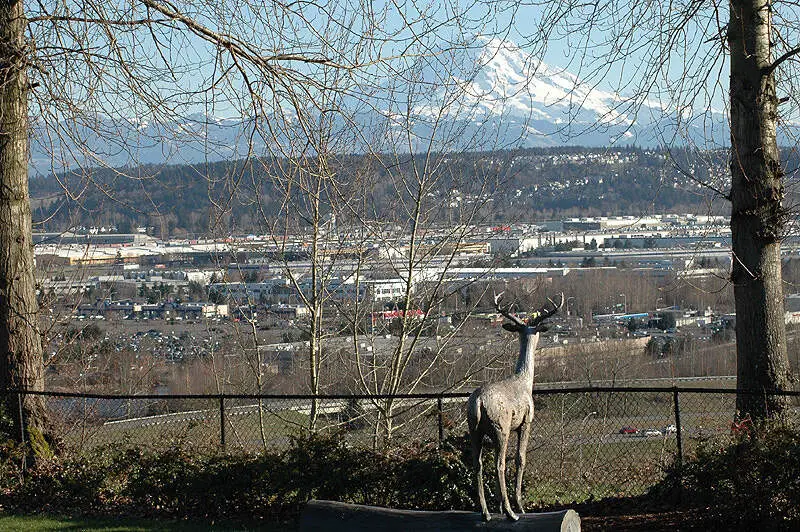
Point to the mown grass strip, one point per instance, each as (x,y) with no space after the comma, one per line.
(25,523)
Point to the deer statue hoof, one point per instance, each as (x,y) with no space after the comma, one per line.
(512,516)
(487,517)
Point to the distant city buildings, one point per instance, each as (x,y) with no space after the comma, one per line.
(251,270)
(616,232)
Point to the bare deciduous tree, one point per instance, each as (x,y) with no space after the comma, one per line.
(20,340)
(669,60)
(85,69)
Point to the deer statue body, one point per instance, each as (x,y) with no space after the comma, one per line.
(498,408)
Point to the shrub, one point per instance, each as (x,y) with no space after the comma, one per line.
(180,483)
(183,484)
(413,477)
(754,478)
(432,480)
(65,486)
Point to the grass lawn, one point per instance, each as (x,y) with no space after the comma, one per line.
(113,524)
(242,430)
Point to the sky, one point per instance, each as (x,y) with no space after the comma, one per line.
(610,48)
(659,55)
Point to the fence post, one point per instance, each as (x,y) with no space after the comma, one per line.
(678,431)
(21,421)
(440,419)
(222,421)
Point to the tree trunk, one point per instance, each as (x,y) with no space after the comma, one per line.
(20,341)
(757,214)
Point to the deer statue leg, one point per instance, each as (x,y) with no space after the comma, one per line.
(477,465)
(500,462)
(523,433)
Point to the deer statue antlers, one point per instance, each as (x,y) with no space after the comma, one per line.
(535,319)
(506,312)
(545,313)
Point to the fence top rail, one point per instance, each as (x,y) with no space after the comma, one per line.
(465,394)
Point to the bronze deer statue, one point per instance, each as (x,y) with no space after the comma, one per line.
(496,409)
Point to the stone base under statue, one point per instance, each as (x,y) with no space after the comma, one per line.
(334,516)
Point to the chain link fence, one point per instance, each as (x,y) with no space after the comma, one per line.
(586,442)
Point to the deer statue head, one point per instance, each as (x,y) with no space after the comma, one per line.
(535,322)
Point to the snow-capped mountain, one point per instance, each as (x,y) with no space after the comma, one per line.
(534,104)
(509,80)
(492,95)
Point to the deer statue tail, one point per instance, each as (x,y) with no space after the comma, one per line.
(474,410)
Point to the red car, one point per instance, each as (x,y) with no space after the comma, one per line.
(628,430)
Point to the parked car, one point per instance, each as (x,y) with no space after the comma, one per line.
(670,429)
(652,433)
(628,430)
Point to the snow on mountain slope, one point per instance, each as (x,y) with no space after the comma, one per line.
(506,82)
(509,77)
(543,105)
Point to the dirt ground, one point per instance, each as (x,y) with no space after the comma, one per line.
(672,521)
(645,513)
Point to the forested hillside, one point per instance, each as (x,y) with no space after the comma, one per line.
(526,185)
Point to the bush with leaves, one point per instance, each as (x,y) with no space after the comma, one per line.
(181,483)
(415,477)
(64,486)
(435,480)
(754,478)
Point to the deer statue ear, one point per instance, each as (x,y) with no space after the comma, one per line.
(510,327)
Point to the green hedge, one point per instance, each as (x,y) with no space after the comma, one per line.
(753,480)
(182,484)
